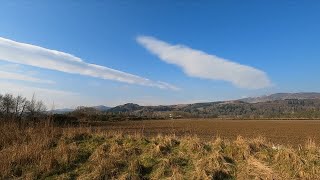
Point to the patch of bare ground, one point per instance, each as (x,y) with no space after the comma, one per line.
(285,132)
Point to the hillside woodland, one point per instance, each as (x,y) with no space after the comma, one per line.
(23,110)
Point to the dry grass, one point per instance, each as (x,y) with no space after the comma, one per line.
(47,152)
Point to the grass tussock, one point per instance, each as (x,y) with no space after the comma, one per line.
(47,152)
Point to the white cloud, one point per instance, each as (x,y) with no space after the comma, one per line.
(49,96)
(196,63)
(10,67)
(22,77)
(32,55)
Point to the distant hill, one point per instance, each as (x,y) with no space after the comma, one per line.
(280,105)
(129,107)
(294,105)
(61,111)
(101,108)
(66,110)
(282,96)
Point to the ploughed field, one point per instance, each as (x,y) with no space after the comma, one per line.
(286,132)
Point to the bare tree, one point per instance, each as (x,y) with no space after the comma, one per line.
(40,107)
(35,108)
(31,106)
(8,104)
(1,105)
(20,106)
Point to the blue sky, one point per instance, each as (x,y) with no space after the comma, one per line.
(167,52)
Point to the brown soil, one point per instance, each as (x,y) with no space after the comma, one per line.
(286,132)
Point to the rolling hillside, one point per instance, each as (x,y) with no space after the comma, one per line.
(282,96)
(300,105)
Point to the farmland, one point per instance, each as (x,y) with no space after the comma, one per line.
(44,151)
(289,132)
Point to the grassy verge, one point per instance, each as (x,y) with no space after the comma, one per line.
(46,152)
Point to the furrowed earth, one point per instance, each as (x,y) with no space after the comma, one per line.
(287,132)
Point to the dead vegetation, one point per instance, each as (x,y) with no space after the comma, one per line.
(46,152)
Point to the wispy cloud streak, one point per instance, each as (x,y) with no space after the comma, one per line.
(21,77)
(32,55)
(199,64)
(49,96)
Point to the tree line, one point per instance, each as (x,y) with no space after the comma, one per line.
(25,110)
(20,108)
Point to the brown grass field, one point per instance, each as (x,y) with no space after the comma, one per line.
(286,132)
(187,149)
